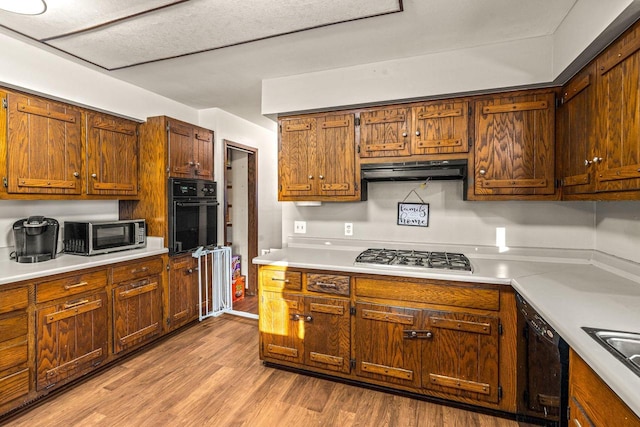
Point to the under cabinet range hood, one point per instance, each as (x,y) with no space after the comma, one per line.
(414,171)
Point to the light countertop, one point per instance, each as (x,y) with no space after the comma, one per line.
(12,271)
(569,288)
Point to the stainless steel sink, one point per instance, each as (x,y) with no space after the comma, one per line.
(625,346)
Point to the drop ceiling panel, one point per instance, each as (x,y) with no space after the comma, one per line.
(67,16)
(201,25)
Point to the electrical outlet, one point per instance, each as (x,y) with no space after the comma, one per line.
(264,251)
(300,227)
(348,229)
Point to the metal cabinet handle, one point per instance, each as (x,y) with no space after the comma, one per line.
(321,177)
(404,134)
(597,159)
(77,285)
(587,162)
(277,279)
(482,171)
(76,303)
(141,270)
(410,334)
(417,133)
(190,163)
(310,176)
(76,174)
(190,271)
(326,285)
(308,319)
(94,175)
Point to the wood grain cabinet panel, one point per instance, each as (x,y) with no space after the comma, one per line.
(575,135)
(183,290)
(71,339)
(461,356)
(112,155)
(440,127)
(618,118)
(514,149)
(44,146)
(137,312)
(190,150)
(316,158)
(15,378)
(327,333)
(383,349)
(592,402)
(384,132)
(14,386)
(281,332)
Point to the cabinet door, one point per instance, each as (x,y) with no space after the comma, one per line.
(514,152)
(336,155)
(112,155)
(296,158)
(181,161)
(575,133)
(203,147)
(618,136)
(461,357)
(385,132)
(440,127)
(183,290)
(137,312)
(44,149)
(72,339)
(327,333)
(281,326)
(383,351)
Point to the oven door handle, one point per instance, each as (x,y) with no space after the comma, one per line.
(187,204)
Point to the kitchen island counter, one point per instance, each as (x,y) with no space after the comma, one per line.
(571,289)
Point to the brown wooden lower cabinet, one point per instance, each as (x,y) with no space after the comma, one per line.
(183,290)
(15,375)
(72,339)
(137,312)
(592,402)
(450,340)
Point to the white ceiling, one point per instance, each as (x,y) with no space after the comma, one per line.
(243,42)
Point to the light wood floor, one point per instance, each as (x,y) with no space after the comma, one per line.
(210,375)
(249,304)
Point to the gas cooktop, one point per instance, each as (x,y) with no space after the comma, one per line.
(415,259)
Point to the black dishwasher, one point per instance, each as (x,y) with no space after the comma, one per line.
(546,364)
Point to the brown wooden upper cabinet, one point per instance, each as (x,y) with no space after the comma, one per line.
(514,150)
(575,120)
(112,155)
(436,127)
(617,149)
(316,158)
(44,146)
(190,151)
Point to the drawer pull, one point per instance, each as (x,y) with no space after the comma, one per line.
(77,285)
(75,304)
(278,279)
(140,270)
(326,285)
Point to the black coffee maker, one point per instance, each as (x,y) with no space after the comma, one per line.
(36,239)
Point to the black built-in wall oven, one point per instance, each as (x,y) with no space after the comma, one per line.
(193,215)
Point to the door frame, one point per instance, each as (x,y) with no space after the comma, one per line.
(252,214)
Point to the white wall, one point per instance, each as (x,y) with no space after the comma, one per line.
(618,229)
(239,198)
(452,220)
(232,128)
(521,62)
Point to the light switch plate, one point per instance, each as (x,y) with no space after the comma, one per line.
(300,227)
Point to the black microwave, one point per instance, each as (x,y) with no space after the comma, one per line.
(101,237)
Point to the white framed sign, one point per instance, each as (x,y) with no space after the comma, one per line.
(413,214)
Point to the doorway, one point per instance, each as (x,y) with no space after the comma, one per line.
(241,221)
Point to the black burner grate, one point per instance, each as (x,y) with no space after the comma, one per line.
(410,258)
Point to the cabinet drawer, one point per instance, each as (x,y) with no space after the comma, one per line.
(70,285)
(281,279)
(136,270)
(429,292)
(14,386)
(12,327)
(328,283)
(14,299)
(13,353)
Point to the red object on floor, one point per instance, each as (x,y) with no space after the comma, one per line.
(237,288)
